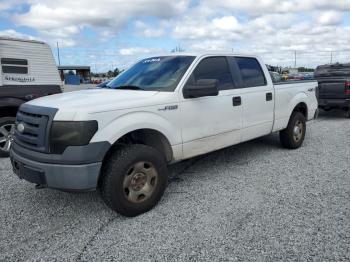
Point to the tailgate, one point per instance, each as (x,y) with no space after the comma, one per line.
(331,89)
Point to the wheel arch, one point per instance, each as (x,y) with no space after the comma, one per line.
(8,111)
(9,106)
(144,136)
(302,108)
(299,104)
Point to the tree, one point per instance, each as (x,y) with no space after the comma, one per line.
(116,71)
(178,49)
(305,69)
(110,74)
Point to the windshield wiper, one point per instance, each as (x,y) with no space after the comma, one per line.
(131,87)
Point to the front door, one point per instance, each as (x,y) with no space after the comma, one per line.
(210,123)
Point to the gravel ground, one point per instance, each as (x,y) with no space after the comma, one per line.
(254,201)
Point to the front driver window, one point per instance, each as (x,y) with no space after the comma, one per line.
(213,68)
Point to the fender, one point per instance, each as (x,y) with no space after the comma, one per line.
(299,98)
(10,102)
(283,113)
(138,120)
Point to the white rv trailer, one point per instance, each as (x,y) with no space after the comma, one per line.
(27,71)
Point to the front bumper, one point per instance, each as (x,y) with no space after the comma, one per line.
(79,173)
(67,177)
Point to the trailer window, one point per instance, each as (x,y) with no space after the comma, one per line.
(251,72)
(14,66)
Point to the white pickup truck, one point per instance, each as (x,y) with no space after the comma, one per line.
(163,109)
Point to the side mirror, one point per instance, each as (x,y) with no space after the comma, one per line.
(202,87)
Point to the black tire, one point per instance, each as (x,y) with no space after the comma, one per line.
(5,122)
(117,170)
(289,137)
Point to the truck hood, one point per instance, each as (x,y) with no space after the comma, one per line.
(95,100)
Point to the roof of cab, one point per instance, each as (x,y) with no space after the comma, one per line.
(211,53)
(21,40)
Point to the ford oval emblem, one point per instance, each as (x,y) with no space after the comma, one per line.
(20,127)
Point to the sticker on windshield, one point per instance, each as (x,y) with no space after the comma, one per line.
(151,60)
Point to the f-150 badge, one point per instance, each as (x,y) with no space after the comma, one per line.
(173,107)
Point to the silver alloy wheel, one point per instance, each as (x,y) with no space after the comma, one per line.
(298,131)
(140,182)
(6,136)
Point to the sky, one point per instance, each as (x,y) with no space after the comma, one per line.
(115,33)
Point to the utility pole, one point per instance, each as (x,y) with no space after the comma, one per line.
(295,59)
(331,57)
(58,54)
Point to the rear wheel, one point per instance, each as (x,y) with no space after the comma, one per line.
(293,136)
(7,129)
(134,179)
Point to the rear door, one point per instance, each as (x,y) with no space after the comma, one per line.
(257,94)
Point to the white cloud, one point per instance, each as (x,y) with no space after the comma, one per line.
(210,45)
(13,4)
(226,27)
(226,23)
(5,5)
(253,7)
(150,31)
(272,28)
(330,18)
(50,16)
(136,51)
(14,34)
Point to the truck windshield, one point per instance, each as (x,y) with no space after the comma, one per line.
(155,73)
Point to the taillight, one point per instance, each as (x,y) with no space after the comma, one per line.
(347,87)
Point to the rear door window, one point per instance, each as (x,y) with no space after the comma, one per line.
(251,72)
(14,66)
(214,68)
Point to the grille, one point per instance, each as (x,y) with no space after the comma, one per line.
(34,132)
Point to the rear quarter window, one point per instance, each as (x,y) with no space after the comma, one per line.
(251,72)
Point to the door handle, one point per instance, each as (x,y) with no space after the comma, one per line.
(236,101)
(268,96)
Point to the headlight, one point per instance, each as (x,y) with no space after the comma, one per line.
(71,133)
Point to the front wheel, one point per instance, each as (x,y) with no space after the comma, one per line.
(7,129)
(293,136)
(134,179)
